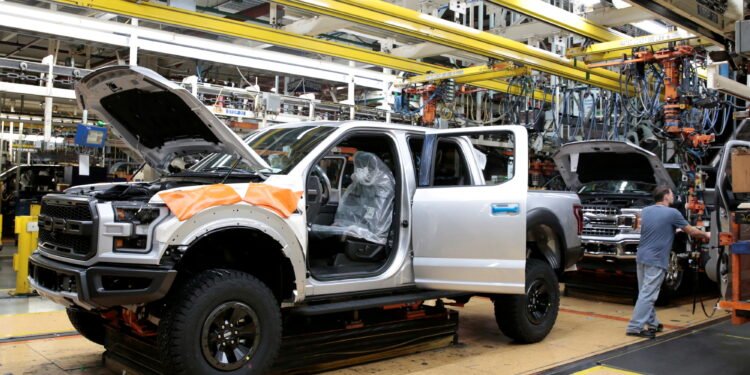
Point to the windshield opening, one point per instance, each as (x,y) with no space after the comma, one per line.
(617,187)
(281,148)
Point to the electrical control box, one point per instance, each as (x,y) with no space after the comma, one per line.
(742,37)
(272,102)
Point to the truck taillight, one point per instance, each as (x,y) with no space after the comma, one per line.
(578,212)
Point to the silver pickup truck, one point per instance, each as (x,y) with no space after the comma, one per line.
(207,260)
(615,181)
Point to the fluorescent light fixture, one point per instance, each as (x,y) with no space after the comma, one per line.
(620,4)
(651,27)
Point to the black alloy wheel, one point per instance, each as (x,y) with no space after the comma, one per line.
(230,336)
(539,301)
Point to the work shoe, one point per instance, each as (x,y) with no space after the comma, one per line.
(657,329)
(646,334)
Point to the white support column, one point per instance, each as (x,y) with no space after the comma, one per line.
(2,134)
(133,43)
(350,96)
(387,96)
(10,141)
(480,16)
(50,60)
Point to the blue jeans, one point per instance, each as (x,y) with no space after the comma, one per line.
(649,283)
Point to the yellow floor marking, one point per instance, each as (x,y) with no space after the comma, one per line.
(605,370)
(736,337)
(36,323)
(30,313)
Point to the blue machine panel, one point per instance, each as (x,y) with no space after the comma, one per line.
(91,136)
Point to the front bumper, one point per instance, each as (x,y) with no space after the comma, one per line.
(98,287)
(603,249)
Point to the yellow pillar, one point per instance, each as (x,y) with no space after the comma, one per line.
(27,229)
(35,209)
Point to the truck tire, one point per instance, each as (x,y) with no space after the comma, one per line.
(220,322)
(89,325)
(528,318)
(674,280)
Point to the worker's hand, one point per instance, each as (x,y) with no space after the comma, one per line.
(707,236)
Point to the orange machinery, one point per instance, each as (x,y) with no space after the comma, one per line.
(430,104)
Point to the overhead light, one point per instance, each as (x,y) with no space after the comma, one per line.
(651,27)
(620,4)
(589,3)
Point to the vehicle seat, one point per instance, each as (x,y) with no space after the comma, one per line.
(448,172)
(365,212)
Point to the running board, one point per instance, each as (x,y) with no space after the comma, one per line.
(374,302)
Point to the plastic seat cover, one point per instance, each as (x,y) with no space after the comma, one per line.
(366,208)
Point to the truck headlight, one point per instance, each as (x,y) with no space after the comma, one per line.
(626,221)
(136,215)
(629,221)
(141,218)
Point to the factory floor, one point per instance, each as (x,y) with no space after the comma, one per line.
(589,337)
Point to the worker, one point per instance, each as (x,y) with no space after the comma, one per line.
(658,225)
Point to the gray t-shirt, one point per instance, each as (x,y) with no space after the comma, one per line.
(658,224)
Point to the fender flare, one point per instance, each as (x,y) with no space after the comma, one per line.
(544,216)
(220,218)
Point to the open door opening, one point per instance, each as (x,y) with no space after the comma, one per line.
(352,208)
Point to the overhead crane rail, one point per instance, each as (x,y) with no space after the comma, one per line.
(470,74)
(394,18)
(643,41)
(694,17)
(553,15)
(223,26)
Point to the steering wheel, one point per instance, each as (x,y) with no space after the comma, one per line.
(325,182)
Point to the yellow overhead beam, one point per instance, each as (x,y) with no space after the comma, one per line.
(618,54)
(222,26)
(618,45)
(500,74)
(405,21)
(559,17)
(465,74)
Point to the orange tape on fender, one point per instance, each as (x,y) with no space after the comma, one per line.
(280,200)
(186,203)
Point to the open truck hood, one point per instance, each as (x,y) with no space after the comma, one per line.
(157,118)
(588,161)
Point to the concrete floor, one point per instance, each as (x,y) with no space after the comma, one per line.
(7,275)
(585,327)
(589,324)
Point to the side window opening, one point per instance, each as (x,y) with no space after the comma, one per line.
(450,165)
(415,147)
(493,152)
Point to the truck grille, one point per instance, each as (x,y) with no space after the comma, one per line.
(601,221)
(67,227)
(600,210)
(600,232)
(65,243)
(67,211)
